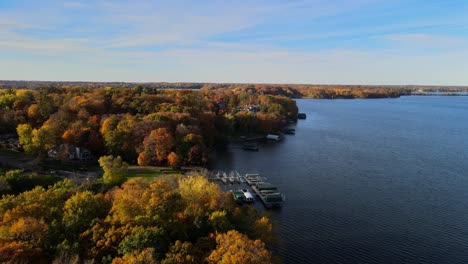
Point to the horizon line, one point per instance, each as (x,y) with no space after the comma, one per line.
(237,83)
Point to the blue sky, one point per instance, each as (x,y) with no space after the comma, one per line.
(260,41)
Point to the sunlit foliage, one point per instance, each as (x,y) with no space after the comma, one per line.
(141,125)
(235,248)
(114,169)
(176,219)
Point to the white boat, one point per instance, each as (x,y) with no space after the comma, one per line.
(273,137)
(248,196)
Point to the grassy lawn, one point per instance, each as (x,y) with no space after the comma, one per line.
(149,171)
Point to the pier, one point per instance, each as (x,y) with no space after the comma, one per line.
(264,191)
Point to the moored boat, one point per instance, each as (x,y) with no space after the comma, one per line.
(248,196)
(238,196)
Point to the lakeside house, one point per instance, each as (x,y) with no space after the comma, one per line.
(70,152)
(10,141)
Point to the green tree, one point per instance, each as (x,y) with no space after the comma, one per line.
(114,169)
(44,103)
(219,221)
(81,209)
(141,238)
(36,141)
(43,139)
(25,134)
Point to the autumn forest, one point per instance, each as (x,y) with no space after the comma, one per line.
(171,219)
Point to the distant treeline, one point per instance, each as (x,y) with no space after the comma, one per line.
(335,91)
(320,91)
(289,90)
(36,85)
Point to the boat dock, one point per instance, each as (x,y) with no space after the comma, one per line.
(226,177)
(264,191)
(267,192)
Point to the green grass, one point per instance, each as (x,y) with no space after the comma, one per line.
(149,172)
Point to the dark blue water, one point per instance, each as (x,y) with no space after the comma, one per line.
(370,181)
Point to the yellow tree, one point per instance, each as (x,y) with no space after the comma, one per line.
(25,137)
(129,201)
(81,209)
(236,248)
(262,229)
(201,196)
(144,257)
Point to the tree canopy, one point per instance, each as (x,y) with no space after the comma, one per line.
(175,219)
(141,125)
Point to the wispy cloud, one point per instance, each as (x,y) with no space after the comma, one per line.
(338,41)
(55,46)
(428,40)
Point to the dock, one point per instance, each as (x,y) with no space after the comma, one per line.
(226,177)
(267,192)
(264,191)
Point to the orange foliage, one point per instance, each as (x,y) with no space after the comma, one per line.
(174,160)
(144,159)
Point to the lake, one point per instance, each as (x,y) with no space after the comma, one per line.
(369,181)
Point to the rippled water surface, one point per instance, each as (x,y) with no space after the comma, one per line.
(370,181)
